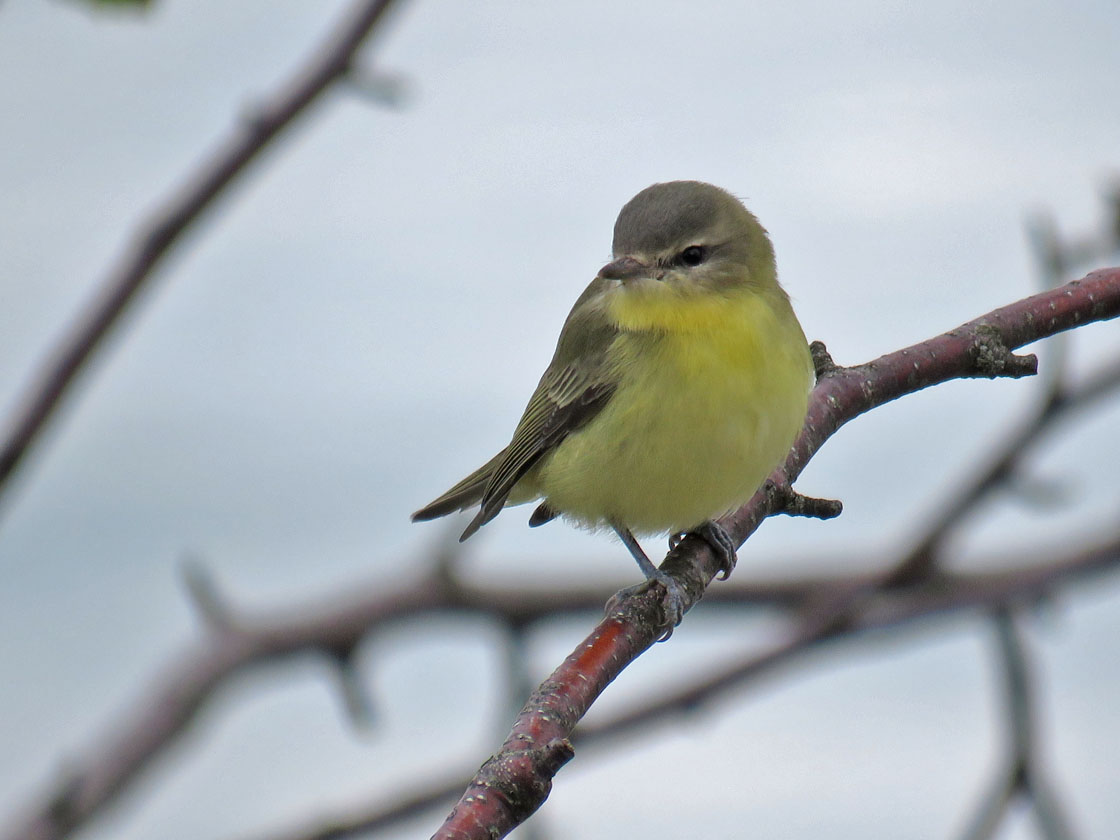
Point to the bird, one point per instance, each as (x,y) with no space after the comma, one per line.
(679,382)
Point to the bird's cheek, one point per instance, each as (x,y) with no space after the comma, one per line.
(640,285)
(674,281)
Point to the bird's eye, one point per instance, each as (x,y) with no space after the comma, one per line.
(693,255)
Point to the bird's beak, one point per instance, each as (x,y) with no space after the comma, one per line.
(625,268)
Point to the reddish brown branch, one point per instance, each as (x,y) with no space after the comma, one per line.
(235,644)
(517,779)
(1031,579)
(514,782)
(1027,581)
(156,236)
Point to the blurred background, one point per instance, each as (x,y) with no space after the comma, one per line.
(360,322)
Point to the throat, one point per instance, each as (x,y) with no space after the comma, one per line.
(665,311)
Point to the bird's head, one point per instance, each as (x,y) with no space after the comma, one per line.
(688,239)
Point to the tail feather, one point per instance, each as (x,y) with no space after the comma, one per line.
(463,495)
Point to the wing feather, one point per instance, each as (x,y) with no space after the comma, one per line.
(565,400)
(578,383)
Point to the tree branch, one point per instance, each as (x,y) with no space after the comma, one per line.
(239,643)
(514,782)
(1021,775)
(83,795)
(155,237)
(1030,580)
(1027,581)
(235,643)
(1001,466)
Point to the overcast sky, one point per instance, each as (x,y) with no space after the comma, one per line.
(361,321)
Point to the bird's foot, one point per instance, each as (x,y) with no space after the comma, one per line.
(717,537)
(672,604)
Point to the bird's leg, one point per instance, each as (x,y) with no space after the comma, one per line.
(674,595)
(717,537)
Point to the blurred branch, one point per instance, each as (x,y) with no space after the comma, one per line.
(384,89)
(880,607)
(1030,580)
(1054,258)
(234,642)
(516,780)
(239,643)
(1055,404)
(155,236)
(1022,774)
(368,818)
(1057,255)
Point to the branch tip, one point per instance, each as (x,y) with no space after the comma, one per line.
(991,358)
(554,755)
(204,595)
(447,557)
(62,806)
(822,360)
(785,500)
(357,700)
(388,90)
(799,505)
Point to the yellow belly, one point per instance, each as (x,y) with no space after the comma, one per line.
(700,418)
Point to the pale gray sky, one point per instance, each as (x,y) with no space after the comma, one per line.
(362,320)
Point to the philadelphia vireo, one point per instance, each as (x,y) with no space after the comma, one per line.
(679,382)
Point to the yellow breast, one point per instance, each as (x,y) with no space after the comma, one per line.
(712,392)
